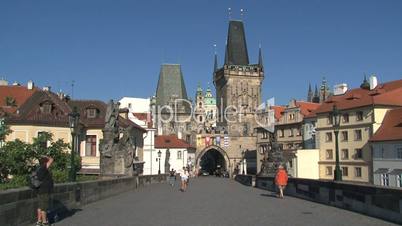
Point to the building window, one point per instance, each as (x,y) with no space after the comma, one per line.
(358,172)
(384,179)
(359,116)
(328,170)
(329,154)
(91,113)
(345,172)
(265,135)
(281,133)
(90,145)
(45,107)
(329,119)
(345,118)
(358,153)
(291,133)
(344,136)
(291,116)
(399,152)
(345,154)
(298,131)
(358,134)
(399,181)
(129,105)
(178,154)
(328,137)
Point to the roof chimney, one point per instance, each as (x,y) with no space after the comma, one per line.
(30,85)
(46,88)
(3,82)
(340,89)
(373,82)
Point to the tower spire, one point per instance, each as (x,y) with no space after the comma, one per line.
(309,93)
(260,62)
(215,62)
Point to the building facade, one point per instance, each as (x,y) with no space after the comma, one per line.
(289,130)
(362,112)
(386,144)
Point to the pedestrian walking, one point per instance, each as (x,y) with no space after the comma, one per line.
(44,190)
(184,179)
(172,177)
(281,180)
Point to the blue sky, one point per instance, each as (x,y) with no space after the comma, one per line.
(115,48)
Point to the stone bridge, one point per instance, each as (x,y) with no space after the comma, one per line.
(208,201)
(211,201)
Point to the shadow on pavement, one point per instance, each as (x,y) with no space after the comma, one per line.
(60,212)
(272,195)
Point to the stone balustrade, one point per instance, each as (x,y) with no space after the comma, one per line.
(18,206)
(376,201)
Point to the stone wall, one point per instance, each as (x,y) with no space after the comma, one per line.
(18,206)
(384,203)
(244,179)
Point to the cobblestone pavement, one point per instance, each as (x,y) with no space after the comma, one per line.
(210,201)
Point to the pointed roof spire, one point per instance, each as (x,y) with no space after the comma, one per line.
(236,48)
(260,62)
(316,91)
(365,84)
(215,62)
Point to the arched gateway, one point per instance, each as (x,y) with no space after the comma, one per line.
(212,158)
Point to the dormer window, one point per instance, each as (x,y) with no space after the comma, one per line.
(92,113)
(46,107)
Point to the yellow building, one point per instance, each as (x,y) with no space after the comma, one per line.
(362,111)
(30,111)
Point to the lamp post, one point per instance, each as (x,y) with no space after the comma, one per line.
(242,162)
(73,119)
(2,131)
(336,119)
(159,160)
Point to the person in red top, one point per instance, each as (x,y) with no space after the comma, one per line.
(281,180)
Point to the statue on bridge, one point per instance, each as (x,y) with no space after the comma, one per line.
(117,154)
(273,157)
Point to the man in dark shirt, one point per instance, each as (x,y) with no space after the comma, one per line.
(44,190)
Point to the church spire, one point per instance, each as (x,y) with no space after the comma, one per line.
(309,93)
(260,62)
(236,47)
(215,62)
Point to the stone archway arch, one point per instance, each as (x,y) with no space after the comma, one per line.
(213,147)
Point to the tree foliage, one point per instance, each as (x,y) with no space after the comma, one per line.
(18,158)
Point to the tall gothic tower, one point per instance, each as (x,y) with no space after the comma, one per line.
(238,85)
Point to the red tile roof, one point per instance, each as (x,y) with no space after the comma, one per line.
(306,108)
(19,93)
(384,94)
(145,117)
(170,141)
(278,111)
(391,128)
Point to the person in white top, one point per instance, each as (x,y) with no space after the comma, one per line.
(184,178)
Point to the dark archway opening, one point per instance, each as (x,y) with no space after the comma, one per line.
(213,162)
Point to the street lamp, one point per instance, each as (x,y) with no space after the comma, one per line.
(242,163)
(336,118)
(73,120)
(159,158)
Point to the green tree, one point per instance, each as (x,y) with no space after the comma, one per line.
(19,159)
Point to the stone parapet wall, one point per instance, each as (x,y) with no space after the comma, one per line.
(18,206)
(375,201)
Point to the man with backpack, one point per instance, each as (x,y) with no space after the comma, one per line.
(44,190)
